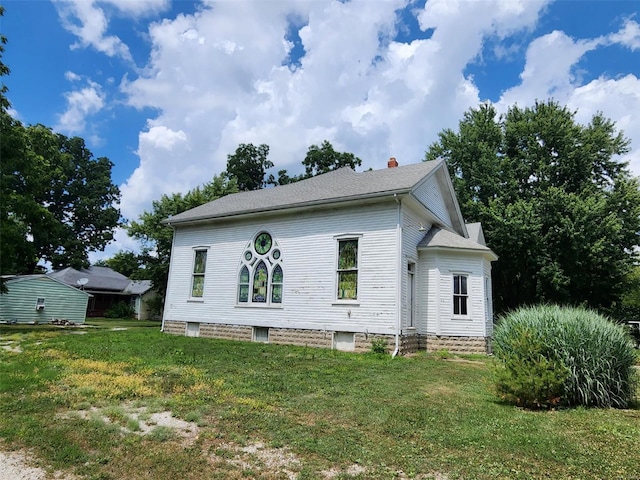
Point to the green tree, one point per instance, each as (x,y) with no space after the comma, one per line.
(557,206)
(4,70)
(319,160)
(324,159)
(59,195)
(156,237)
(248,166)
(10,230)
(127,263)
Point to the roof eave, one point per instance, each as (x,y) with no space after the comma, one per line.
(283,208)
(484,251)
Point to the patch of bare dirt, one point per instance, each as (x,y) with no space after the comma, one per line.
(145,422)
(13,347)
(18,466)
(258,457)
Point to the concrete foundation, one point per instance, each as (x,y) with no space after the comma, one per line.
(354,342)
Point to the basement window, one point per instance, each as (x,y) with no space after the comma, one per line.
(261,334)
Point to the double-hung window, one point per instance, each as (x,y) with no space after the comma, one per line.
(199,268)
(460,294)
(347,269)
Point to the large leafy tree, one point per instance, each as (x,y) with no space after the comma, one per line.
(557,205)
(318,160)
(57,199)
(323,159)
(156,237)
(248,166)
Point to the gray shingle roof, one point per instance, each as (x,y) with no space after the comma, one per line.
(137,287)
(100,278)
(336,186)
(436,237)
(475,233)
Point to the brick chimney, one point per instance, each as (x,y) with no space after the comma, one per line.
(392,163)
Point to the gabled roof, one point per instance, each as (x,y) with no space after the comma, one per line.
(475,233)
(337,186)
(137,287)
(10,279)
(98,278)
(439,238)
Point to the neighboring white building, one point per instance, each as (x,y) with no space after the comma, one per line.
(335,261)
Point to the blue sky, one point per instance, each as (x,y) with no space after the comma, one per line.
(167,89)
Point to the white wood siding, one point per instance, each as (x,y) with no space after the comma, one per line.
(411,236)
(61,301)
(309,249)
(438,291)
(488,296)
(430,195)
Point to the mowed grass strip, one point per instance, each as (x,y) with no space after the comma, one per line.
(324,414)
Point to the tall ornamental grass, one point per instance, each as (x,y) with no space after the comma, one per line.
(550,355)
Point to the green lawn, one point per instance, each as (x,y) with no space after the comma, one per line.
(271,412)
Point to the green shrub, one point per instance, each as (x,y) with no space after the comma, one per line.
(379,345)
(119,310)
(550,355)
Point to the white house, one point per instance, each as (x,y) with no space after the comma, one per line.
(335,261)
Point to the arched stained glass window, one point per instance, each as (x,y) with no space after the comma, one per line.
(260,279)
(243,285)
(261,274)
(276,285)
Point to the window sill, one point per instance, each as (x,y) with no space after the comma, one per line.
(195,300)
(253,305)
(346,302)
(461,317)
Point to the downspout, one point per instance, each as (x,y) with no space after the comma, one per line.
(398,277)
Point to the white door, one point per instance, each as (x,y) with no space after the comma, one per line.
(411,288)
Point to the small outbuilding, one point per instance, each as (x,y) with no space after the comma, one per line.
(41,299)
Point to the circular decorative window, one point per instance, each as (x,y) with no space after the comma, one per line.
(263,243)
(247,255)
(276,254)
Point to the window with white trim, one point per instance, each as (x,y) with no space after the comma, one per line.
(199,268)
(40,303)
(460,294)
(261,275)
(347,269)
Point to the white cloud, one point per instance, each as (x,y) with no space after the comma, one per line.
(220,76)
(89,23)
(139,8)
(167,149)
(80,104)
(550,72)
(619,100)
(71,76)
(121,242)
(549,69)
(628,36)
